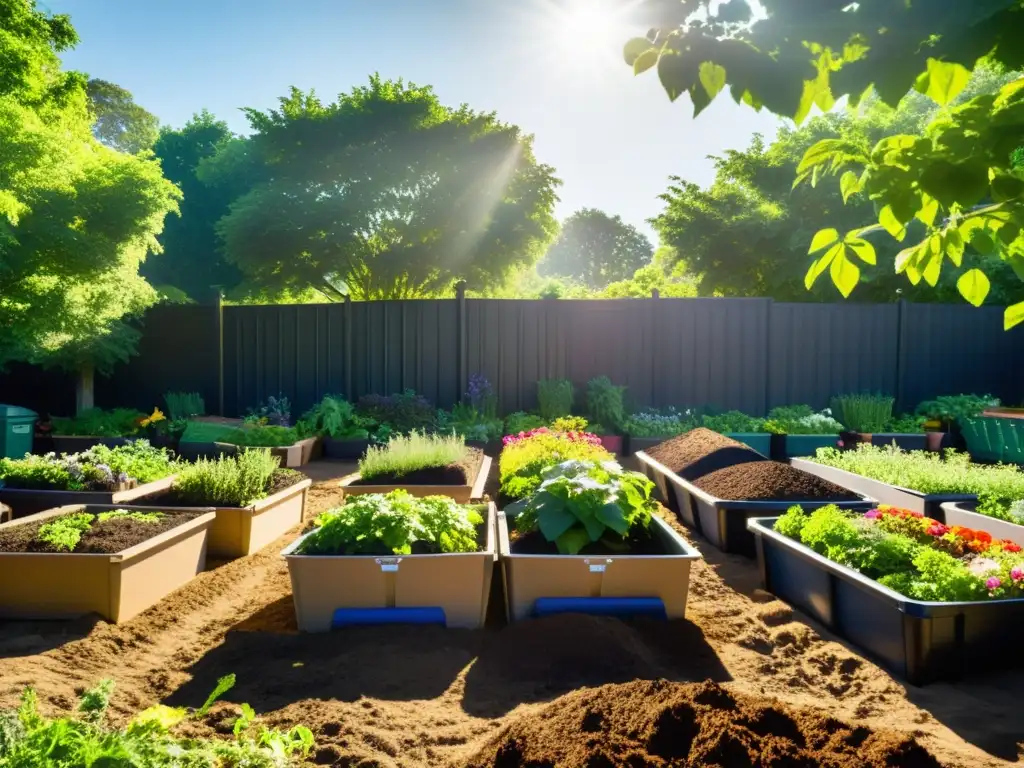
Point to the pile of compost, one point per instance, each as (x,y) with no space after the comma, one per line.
(730,470)
(662,723)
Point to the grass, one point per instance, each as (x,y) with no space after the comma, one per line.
(409,453)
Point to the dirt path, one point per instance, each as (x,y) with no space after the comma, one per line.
(433,697)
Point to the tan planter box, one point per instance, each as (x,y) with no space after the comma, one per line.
(291,456)
(117,587)
(531,577)
(459,583)
(240,531)
(463,494)
(28,501)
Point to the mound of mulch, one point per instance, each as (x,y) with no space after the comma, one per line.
(699,452)
(661,723)
(109,537)
(462,472)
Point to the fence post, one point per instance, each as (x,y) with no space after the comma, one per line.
(218,320)
(462,350)
(347,357)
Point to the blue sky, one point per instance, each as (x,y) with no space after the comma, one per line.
(613,138)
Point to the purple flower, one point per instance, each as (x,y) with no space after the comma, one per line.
(1017,573)
(478,390)
(993,582)
(872,514)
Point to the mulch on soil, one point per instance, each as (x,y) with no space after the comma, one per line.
(462,472)
(661,723)
(109,537)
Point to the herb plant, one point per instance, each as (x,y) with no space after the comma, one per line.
(408,453)
(582,502)
(228,481)
(184,405)
(865,413)
(801,420)
(605,403)
(734,422)
(400,414)
(907,423)
(554,398)
(524,458)
(997,486)
(336,418)
(520,421)
(394,522)
(950,409)
(654,423)
(470,422)
(98,469)
(268,436)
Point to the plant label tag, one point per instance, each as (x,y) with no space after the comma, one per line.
(20,429)
(597,567)
(388,564)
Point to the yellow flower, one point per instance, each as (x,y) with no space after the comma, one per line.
(153,418)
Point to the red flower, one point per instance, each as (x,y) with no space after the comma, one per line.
(937,529)
(1010,546)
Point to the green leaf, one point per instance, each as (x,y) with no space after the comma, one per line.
(712,77)
(1016,261)
(1005,187)
(553,522)
(1014,315)
(845,274)
(928,211)
(224,684)
(819,266)
(611,514)
(965,183)
(699,99)
(864,250)
(954,243)
(907,257)
(849,184)
(823,238)
(942,81)
(594,527)
(632,50)
(931,267)
(822,152)
(973,286)
(677,73)
(1008,92)
(645,61)
(572,541)
(891,224)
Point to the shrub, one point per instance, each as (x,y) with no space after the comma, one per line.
(184,405)
(997,486)
(734,422)
(863,413)
(394,522)
(401,414)
(521,421)
(605,403)
(524,459)
(409,453)
(470,422)
(582,502)
(654,423)
(96,422)
(228,481)
(335,417)
(801,420)
(554,398)
(948,409)
(269,436)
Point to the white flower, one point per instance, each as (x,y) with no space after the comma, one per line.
(981,565)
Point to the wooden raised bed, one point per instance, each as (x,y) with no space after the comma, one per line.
(461,493)
(295,455)
(540,584)
(27,501)
(962,513)
(116,586)
(340,590)
(723,522)
(921,641)
(929,504)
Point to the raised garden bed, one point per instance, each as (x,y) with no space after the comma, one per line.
(906,498)
(963,513)
(116,572)
(921,641)
(538,580)
(448,588)
(464,481)
(27,501)
(297,454)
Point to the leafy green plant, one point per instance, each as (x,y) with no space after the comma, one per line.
(400,413)
(570,424)
(394,522)
(655,423)
(997,486)
(907,423)
(470,422)
(99,468)
(65,532)
(734,422)
(228,481)
(96,422)
(275,411)
(801,420)
(605,403)
(582,502)
(865,413)
(520,421)
(408,453)
(138,459)
(554,398)
(269,436)
(949,409)
(336,418)
(184,405)
(523,462)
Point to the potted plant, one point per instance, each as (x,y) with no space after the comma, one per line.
(526,455)
(588,540)
(343,433)
(113,560)
(928,600)
(100,475)
(801,431)
(740,427)
(862,415)
(424,465)
(645,429)
(386,558)
(607,409)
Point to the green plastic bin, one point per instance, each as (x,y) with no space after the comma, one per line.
(16,427)
(990,438)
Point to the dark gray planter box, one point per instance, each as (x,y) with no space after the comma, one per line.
(723,522)
(907,441)
(637,444)
(920,641)
(806,445)
(28,501)
(929,504)
(962,513)
(347,449)
(759,441)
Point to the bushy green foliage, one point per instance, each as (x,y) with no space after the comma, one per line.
(997,486)
(734,422)
(863,412)
(184,405)
(801,420)
(29,740)
(605,403)
(228,481)
(99,468)
(403,454)
(655,423)
(336,417)
(596,249)
(65,532)
(96,422)
(554,398)
(470,423)
(906,423)
(570,424)
(394,522)
(581,502)
(522,463)
(138,459)
(398,414)
(520,421)
(792,522)
(269,436)
(949,409)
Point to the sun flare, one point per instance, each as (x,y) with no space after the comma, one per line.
(586,32)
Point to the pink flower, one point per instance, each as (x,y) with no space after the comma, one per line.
(937,529)
(1017,573)
(993,582)
(840,444)
(873,514)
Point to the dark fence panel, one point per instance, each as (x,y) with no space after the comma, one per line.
(816,351)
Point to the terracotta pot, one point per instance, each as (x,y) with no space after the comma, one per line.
(612,443)
(934,440)
(851,439)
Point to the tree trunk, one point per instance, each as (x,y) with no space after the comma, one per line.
(84,389)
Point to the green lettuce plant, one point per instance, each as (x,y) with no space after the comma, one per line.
(582,502)
(65,532)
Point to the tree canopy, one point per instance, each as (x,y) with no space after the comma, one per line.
(76,218)
(384,193)
(118,122)
(596,249)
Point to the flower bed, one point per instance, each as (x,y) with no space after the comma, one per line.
(587,541)
(112,560)
(921,480)
(927,599)
(525,456)
(394,558)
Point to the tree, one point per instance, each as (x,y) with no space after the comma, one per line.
(383,194)
(596,249)
(118,122)
(76,218)
(191,260)
(957,179)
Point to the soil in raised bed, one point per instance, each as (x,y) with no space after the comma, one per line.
(534,543)
(462,472)
(700,452)
(108,538)
(663,723)
(770,480)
